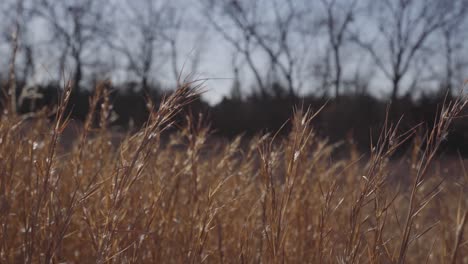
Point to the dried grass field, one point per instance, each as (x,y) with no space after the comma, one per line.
(270,200)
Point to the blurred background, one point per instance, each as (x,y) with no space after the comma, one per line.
(256,60)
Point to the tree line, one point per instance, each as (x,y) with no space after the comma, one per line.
(355,119)
(328,47)
(361,55)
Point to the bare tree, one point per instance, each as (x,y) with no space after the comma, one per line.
(236,93)
(321,70)
(20,21)
(185,31)
(253,27)
(77,25)
(404,27)
(454,38)
(148,37)
(241,40)
(16,17)
(337,19)
(14,50)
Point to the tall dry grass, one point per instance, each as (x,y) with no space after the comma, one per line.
(270,200)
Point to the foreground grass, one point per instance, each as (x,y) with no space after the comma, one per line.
(192,201)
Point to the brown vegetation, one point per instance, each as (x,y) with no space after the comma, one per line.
(277,200)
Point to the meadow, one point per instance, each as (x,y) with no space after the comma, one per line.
(190,199)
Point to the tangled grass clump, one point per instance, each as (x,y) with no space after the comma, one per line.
(267,200)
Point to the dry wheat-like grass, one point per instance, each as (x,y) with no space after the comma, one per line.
(269,200)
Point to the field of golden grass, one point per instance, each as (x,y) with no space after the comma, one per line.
(271,200)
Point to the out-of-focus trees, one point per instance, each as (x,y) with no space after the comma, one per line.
(336,20)
(263,33)
(17,44)
(77,29)
(281,47)
(12,37)
(404,29)
(454,50)
(142,34)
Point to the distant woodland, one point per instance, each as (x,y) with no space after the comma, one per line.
(365,61)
